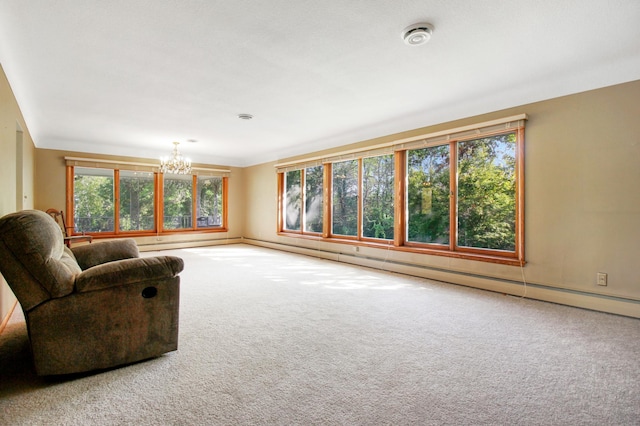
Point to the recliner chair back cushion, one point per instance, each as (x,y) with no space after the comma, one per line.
(33,240)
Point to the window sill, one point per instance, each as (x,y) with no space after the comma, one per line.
(510,258)
(133,234)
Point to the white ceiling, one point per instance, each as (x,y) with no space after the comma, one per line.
(128,77)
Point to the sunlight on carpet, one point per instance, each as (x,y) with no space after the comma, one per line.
(269,337)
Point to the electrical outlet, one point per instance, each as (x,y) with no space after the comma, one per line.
(601,278)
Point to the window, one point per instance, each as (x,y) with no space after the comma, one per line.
(137,194)
(308,220)
(111,201)
(484,200)
(428,195)
(377,197)
(457,193)
(193,202)
(372,218)
(486,193)
(345,198)
(178,204)
(209,201)
(293,198)
(313,199)
(371,180)
(93,198)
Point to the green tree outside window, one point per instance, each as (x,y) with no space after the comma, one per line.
(177,201)
(209,201)
(93,200)
(345,198)
(378,197)
(313,198)
(136,201)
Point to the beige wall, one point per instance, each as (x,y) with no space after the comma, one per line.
(16,169)
(50,183)
(582,207)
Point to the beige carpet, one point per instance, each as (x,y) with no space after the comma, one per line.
(273,338)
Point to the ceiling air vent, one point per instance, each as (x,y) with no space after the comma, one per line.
(417,34)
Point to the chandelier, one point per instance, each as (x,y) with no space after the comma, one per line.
(175,164)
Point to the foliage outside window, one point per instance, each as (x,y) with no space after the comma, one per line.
(377,197)
(313,199)
(178,204)
(209,201)
(137,209)
(376,210)
(345,198)
(486,193)
(373,177)
(428,195)
(113,201)
(93,198)
(485,199)
(459,197)
(309,218)
(293,197)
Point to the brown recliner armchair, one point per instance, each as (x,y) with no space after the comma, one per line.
(92,307)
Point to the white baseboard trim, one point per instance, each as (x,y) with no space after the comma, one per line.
(170,245)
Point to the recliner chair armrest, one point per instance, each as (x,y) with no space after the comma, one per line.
(90,255)
(128,271)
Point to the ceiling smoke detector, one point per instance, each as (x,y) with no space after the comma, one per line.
(417,34)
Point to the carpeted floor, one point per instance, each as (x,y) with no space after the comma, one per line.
(274,338)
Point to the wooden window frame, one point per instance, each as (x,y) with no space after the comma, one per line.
(516,256)
(400,243)
(303,200)
(158,207)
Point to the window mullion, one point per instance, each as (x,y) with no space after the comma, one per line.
(327,203)
(519,166)
(69,203)
(279,214)
(160,204)
(156,200)
(453,195)
(116,201)
(360,203)
(303,196)
(225,203)
(400,207)
(194,202)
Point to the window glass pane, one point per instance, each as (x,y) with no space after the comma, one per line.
(209,202)
(93,204)
(487,192)
(292,201)
(136,201)
(345,198)
(428,195)
(177,201)
(378,197)
(313,201)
